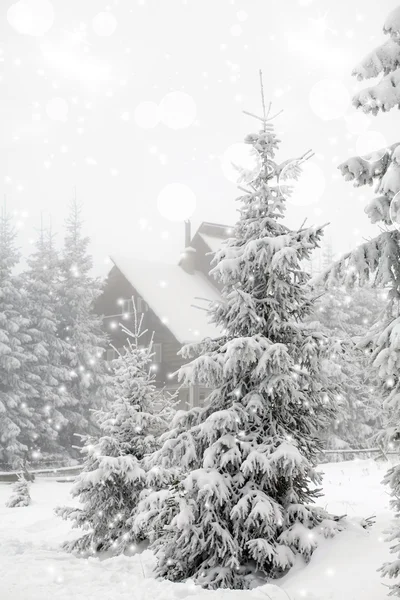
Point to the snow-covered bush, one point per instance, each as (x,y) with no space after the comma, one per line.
(20,493)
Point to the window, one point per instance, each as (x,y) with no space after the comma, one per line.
(157,350)
(202,396)
(111,354)
(127,307)
(183,399)
(141,305)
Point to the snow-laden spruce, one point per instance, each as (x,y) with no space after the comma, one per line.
(82,329)
(18,391)
(113,477)
(241,469)
(41,284)
(20,495)
(345,317)
(379,258)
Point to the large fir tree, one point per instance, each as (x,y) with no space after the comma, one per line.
(41,284)
(18,387)
(113,478)
(241,469)
(379,258)
(81,328)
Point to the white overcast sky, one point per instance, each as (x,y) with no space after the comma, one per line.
(209,49)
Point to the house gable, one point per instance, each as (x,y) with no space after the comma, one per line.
(113,304)
(206,241)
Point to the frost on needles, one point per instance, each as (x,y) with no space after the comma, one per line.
(234,481)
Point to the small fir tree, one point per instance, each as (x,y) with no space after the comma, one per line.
(20,493)
(113,476)
(327,255)
(241,469)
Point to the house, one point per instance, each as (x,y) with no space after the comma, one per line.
(206,241)
(173,299)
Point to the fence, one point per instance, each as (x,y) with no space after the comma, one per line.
(380,451)
(68,473)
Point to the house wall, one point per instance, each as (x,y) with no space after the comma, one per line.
(203,259)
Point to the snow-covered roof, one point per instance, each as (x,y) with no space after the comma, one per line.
(214,243)
(171,293)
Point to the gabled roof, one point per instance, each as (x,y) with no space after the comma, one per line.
(212,234)
(214,243)
(214,229)
(171,293)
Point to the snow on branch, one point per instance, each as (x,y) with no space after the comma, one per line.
(363,170)
(375,258)
(383,59)
(392,24)
(378,209)
(383,96)
(390,183)
(385,172)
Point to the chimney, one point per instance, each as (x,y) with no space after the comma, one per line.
(188,235)
(188,256)
(188,260)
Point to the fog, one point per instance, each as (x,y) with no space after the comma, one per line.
(81,93)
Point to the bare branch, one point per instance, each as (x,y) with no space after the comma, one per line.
(242,189)
(306,156)
(245,112)
(275,115)
(263,99)
(302,225)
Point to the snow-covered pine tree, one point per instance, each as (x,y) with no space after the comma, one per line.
(113,477)
(18,391)
(41,284)
(82,329)
(20,493)
(327,255)
(379,258)
(241,468)
(345,317)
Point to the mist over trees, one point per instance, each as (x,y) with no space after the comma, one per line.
(52,344)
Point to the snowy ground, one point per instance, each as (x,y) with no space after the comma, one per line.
(343,568)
